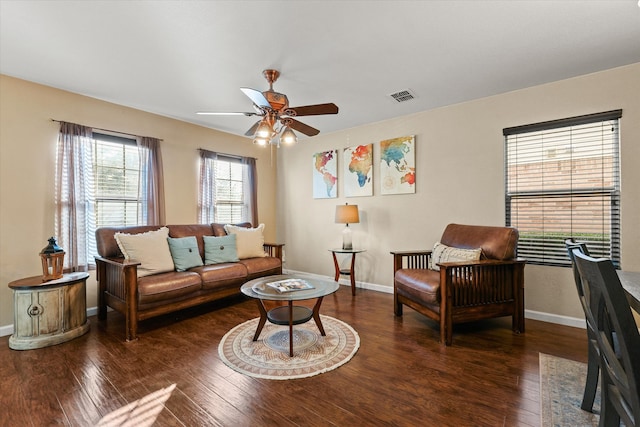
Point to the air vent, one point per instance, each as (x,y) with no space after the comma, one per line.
(403,95)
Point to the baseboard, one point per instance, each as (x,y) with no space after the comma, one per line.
(8,329)
(529,314)
(555,318)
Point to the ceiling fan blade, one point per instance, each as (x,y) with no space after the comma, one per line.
(252,129)
(312,110)
(211,113)
(301,127)
(256,96)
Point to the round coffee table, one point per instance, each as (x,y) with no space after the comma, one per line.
(290,314)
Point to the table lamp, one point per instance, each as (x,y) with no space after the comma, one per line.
(347,214)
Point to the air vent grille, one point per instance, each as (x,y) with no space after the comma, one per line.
(403,95)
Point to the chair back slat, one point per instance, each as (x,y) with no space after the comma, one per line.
(618,340)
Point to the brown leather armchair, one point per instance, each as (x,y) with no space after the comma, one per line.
(464,291)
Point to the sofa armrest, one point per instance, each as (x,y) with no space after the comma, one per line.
(274,249)
(410,259)
(117,283)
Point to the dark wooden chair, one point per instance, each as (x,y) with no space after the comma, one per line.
(464,291)
(618,341)
(593,363)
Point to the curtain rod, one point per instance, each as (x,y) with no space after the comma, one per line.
(109,130)
(234,156)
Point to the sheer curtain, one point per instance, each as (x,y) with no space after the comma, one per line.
(207,187)
(74,215)
(151,185)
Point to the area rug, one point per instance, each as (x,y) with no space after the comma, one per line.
(268,357)
(561,390)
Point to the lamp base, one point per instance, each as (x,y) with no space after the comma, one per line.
(347,238)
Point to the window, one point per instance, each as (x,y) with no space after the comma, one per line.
(227,193)
(563,180)
(103,180)
(117,173)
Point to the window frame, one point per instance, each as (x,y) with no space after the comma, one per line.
(549,249)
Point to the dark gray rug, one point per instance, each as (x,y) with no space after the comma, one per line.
(561,388)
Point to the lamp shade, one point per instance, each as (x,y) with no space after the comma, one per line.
(347,214)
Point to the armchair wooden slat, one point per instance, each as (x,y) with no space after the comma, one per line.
(468,290)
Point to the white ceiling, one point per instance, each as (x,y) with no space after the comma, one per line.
(174,58)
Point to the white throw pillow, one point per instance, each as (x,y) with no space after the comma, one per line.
(443,253)
(150,249)
(249,241)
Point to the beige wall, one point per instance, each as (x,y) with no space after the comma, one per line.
(459,178)
(459,162)
(27,167)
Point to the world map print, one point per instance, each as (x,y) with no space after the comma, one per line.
(325,175)
(358,170)
(397,165)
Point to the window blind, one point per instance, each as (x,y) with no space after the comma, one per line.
(562,180)
(117,173)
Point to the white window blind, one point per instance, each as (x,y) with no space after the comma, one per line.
(117,173)
(230,207)
(563,180)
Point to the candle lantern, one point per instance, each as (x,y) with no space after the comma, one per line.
(52,261)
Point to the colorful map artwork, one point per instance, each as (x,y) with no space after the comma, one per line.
(358,170)
(325,175)
(397,165)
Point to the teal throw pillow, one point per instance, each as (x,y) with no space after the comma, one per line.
(184,251)
(220,249)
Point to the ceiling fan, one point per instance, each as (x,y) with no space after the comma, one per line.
(277,116)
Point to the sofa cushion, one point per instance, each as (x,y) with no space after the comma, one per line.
(443,253)
(166,286)
(218,229)
(150,249)
(249,241)
(184,251)
(220,249)
(222,275)
(418,284)
(262,266)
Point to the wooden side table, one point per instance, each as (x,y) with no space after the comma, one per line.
(351,272)
(48,313)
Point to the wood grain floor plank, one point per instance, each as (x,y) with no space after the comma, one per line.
(401,375)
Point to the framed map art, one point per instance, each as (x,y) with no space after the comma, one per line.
(358,170)
(325,175)
(398,165)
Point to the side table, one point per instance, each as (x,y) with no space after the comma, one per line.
(351,272)
(48,313)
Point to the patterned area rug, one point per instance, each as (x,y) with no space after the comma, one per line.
(561,389)
(268,357)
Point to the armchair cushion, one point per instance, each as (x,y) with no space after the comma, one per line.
(420,285)
(444,253)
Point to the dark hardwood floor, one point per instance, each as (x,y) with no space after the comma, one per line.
(400,375)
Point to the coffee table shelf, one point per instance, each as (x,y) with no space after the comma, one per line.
(290,314)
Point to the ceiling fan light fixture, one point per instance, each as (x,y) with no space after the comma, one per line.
(288,136)
(261,141)
(264,130)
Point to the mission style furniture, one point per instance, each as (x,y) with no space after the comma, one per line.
(463,291)
(138,298)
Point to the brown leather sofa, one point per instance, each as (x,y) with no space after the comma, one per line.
(464,291)
(140,298)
